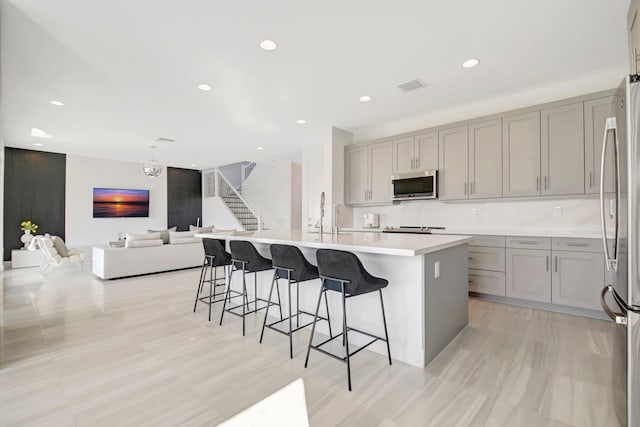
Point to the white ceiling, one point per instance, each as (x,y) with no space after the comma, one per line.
(128,70)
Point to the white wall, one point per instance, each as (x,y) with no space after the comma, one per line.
(216,213)
(577,214)
(85,173)
(296,196)
(268,193)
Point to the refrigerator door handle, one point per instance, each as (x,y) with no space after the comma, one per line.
(619,318)
(611,262)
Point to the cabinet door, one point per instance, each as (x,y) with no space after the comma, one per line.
(404,158)
(577,279)
(596,113)
(453,151)
(562,150)
(426,152)
(356,176)
(485,159)
(521,155)
(528,274)
(380,173)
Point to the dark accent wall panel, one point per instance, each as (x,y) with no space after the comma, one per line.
(34,189)
(184,197)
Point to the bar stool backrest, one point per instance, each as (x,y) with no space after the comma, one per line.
(242,250)
(291,257)
(215,248)
(344,266)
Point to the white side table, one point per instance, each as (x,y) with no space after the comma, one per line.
(26,258)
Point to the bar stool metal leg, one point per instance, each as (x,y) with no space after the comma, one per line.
(227,294)
(345,331)
(290,326)
(213,276)
(200,283)
(315,320)
(266,313)
(384,322)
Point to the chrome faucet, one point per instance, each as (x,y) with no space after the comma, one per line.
(321,213)
(336,220)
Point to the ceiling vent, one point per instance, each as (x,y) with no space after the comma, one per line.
(165,140)
(410,85)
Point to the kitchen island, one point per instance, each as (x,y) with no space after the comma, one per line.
(426,300)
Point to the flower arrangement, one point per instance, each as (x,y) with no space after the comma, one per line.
(28,226)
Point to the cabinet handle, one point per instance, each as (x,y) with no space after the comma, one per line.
(470,258)
(473,190)
(556,263)
(417,163)
(590,179)
(413,163)
(546,183)
(537,183)
(465,188)
(580,245)
(527,242)
(547,262)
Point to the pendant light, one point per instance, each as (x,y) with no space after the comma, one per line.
(152,168)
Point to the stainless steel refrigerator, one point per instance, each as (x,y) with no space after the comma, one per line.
(620,162)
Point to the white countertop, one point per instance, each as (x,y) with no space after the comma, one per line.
(376,243)
(497,231)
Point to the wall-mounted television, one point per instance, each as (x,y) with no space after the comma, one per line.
(119,202)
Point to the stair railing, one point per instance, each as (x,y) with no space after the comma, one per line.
(224,188)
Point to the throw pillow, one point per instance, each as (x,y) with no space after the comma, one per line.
(61,248)
(229,232)
(147,236)
(142,243)
(201,229)
(164,233)
(180,234)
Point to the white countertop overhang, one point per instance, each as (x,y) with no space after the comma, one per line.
(375,243)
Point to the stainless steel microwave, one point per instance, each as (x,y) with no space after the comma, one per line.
(415,186)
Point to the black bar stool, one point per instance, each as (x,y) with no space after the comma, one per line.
(214,256)
(245,257)
(290,264)
(343,272)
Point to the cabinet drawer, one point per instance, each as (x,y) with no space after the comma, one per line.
(485,258)
(577,245)
(529,242)
(486,282)
(491,241)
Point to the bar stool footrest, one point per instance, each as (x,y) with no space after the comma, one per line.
(250,303)
(331,348)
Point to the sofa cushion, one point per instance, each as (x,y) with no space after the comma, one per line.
(164,233)
(143,236)
(180,235)
(201,229)
(58,243)
(229,232)
(185,240)
(142,243)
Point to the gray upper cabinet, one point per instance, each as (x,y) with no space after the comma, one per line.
(356,175)
(633,35)
(403,155)
(521,155)
(596,113)
(427,151)
(380,173)
(368,174)
(453,150)
(485,159)
(562,150)
(415,154)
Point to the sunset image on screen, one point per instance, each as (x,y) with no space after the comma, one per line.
(116,202)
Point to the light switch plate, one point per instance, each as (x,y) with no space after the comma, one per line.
(474,212)
(436,269)
(557,211)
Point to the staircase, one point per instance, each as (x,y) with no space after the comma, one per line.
(236,204)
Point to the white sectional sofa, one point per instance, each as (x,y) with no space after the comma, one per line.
(112,263)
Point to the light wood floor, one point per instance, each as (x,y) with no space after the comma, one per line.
(75,350)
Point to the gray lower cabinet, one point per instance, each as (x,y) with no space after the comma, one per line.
(562,150)
(521,155)
(486,282)
(577,279)
(528,274)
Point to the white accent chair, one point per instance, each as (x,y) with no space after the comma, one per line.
(52,258)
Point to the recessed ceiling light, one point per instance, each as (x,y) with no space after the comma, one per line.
(57,103)
(470,63)
(39,133)
(301,121)
(205,87)
(268,45)
(365,98)
(38,144)
(259,148)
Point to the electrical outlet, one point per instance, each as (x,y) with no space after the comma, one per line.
(557,211)
(474,212)
(436,269)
